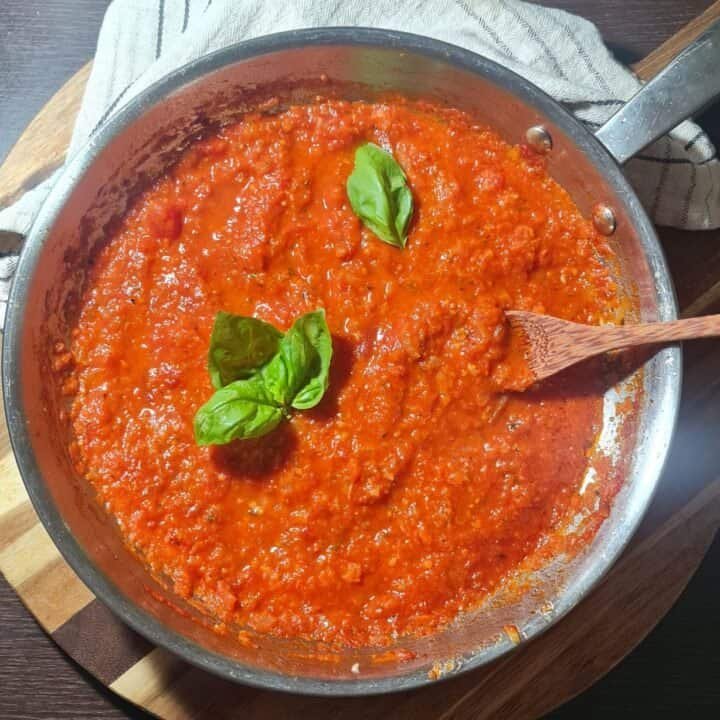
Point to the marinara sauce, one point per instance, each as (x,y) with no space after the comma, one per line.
(421,481)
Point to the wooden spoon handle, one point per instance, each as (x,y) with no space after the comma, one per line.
(613,338)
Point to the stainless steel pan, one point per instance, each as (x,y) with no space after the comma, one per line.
(147,135)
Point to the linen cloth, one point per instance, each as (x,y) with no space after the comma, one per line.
(676,178)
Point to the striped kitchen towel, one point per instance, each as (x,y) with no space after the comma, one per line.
(677,178)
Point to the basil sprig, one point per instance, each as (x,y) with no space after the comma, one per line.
(261,374)
(379,194)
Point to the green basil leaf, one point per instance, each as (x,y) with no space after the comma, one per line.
(239,347)
(379,194)
(298,375)
(241,410)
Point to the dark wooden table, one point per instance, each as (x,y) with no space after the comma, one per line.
(676,670)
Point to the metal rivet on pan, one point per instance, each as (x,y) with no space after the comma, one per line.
(603,219)
(539,139)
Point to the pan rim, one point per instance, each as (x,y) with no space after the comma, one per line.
(101,586)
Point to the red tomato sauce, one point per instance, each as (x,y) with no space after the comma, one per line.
(421,481)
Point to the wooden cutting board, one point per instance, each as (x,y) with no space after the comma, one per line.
(635,595)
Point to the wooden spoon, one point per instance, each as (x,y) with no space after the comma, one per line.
(553,344)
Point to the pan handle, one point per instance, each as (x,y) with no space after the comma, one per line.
(686,85)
